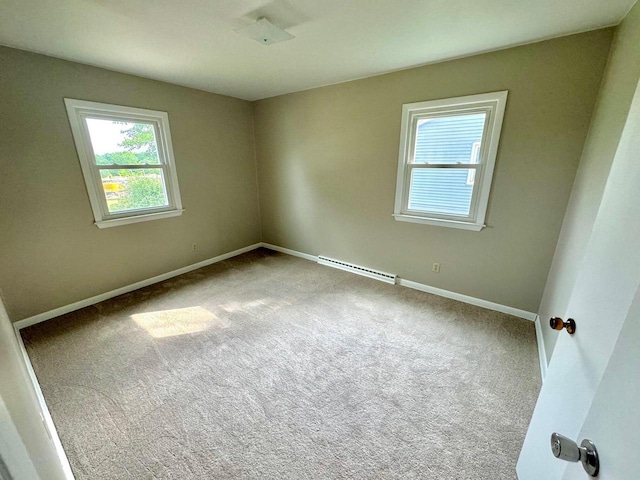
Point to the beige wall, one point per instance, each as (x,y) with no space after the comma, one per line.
(327,165)
(327,162)
(51,254)
(620,80)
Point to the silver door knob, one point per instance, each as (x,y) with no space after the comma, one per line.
(566,449)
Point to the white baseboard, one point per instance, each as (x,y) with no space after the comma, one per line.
(516,312)
(288,251)
(56,312)
(542,352)
(44,410)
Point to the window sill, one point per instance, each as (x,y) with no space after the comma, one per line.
(114,222)
(439,222)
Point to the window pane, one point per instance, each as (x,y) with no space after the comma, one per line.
(440,190)
(123,143)
(134,189)
(448,139)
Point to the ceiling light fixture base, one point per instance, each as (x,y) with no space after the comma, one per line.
(264,32)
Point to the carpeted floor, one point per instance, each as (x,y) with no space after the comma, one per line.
(270,366)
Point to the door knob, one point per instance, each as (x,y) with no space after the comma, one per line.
(558,324)
(566,449)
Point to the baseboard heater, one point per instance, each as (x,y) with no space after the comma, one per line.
(364,271)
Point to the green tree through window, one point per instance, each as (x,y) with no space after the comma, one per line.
(141,188)
(140,137)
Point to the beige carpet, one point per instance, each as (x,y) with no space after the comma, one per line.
(270,366)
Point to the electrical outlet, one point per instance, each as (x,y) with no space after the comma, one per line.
(194,247)
(436,267)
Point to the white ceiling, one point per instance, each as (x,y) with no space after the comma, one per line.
(193,43)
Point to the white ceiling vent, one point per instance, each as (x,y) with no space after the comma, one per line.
(264,32)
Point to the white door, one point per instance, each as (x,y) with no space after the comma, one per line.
(592,387)
(25,445)
(15,462)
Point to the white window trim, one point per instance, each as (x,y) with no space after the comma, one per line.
(492,103)
(78,110)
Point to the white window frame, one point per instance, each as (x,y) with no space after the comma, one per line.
(493,104)
(475,155)
(78,111)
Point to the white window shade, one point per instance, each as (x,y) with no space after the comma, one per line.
(447,140)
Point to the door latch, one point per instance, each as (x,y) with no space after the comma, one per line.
(566,449)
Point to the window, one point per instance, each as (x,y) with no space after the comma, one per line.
(127,162)
(447,154)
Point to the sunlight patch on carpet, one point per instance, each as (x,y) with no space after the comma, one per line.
(179,321)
